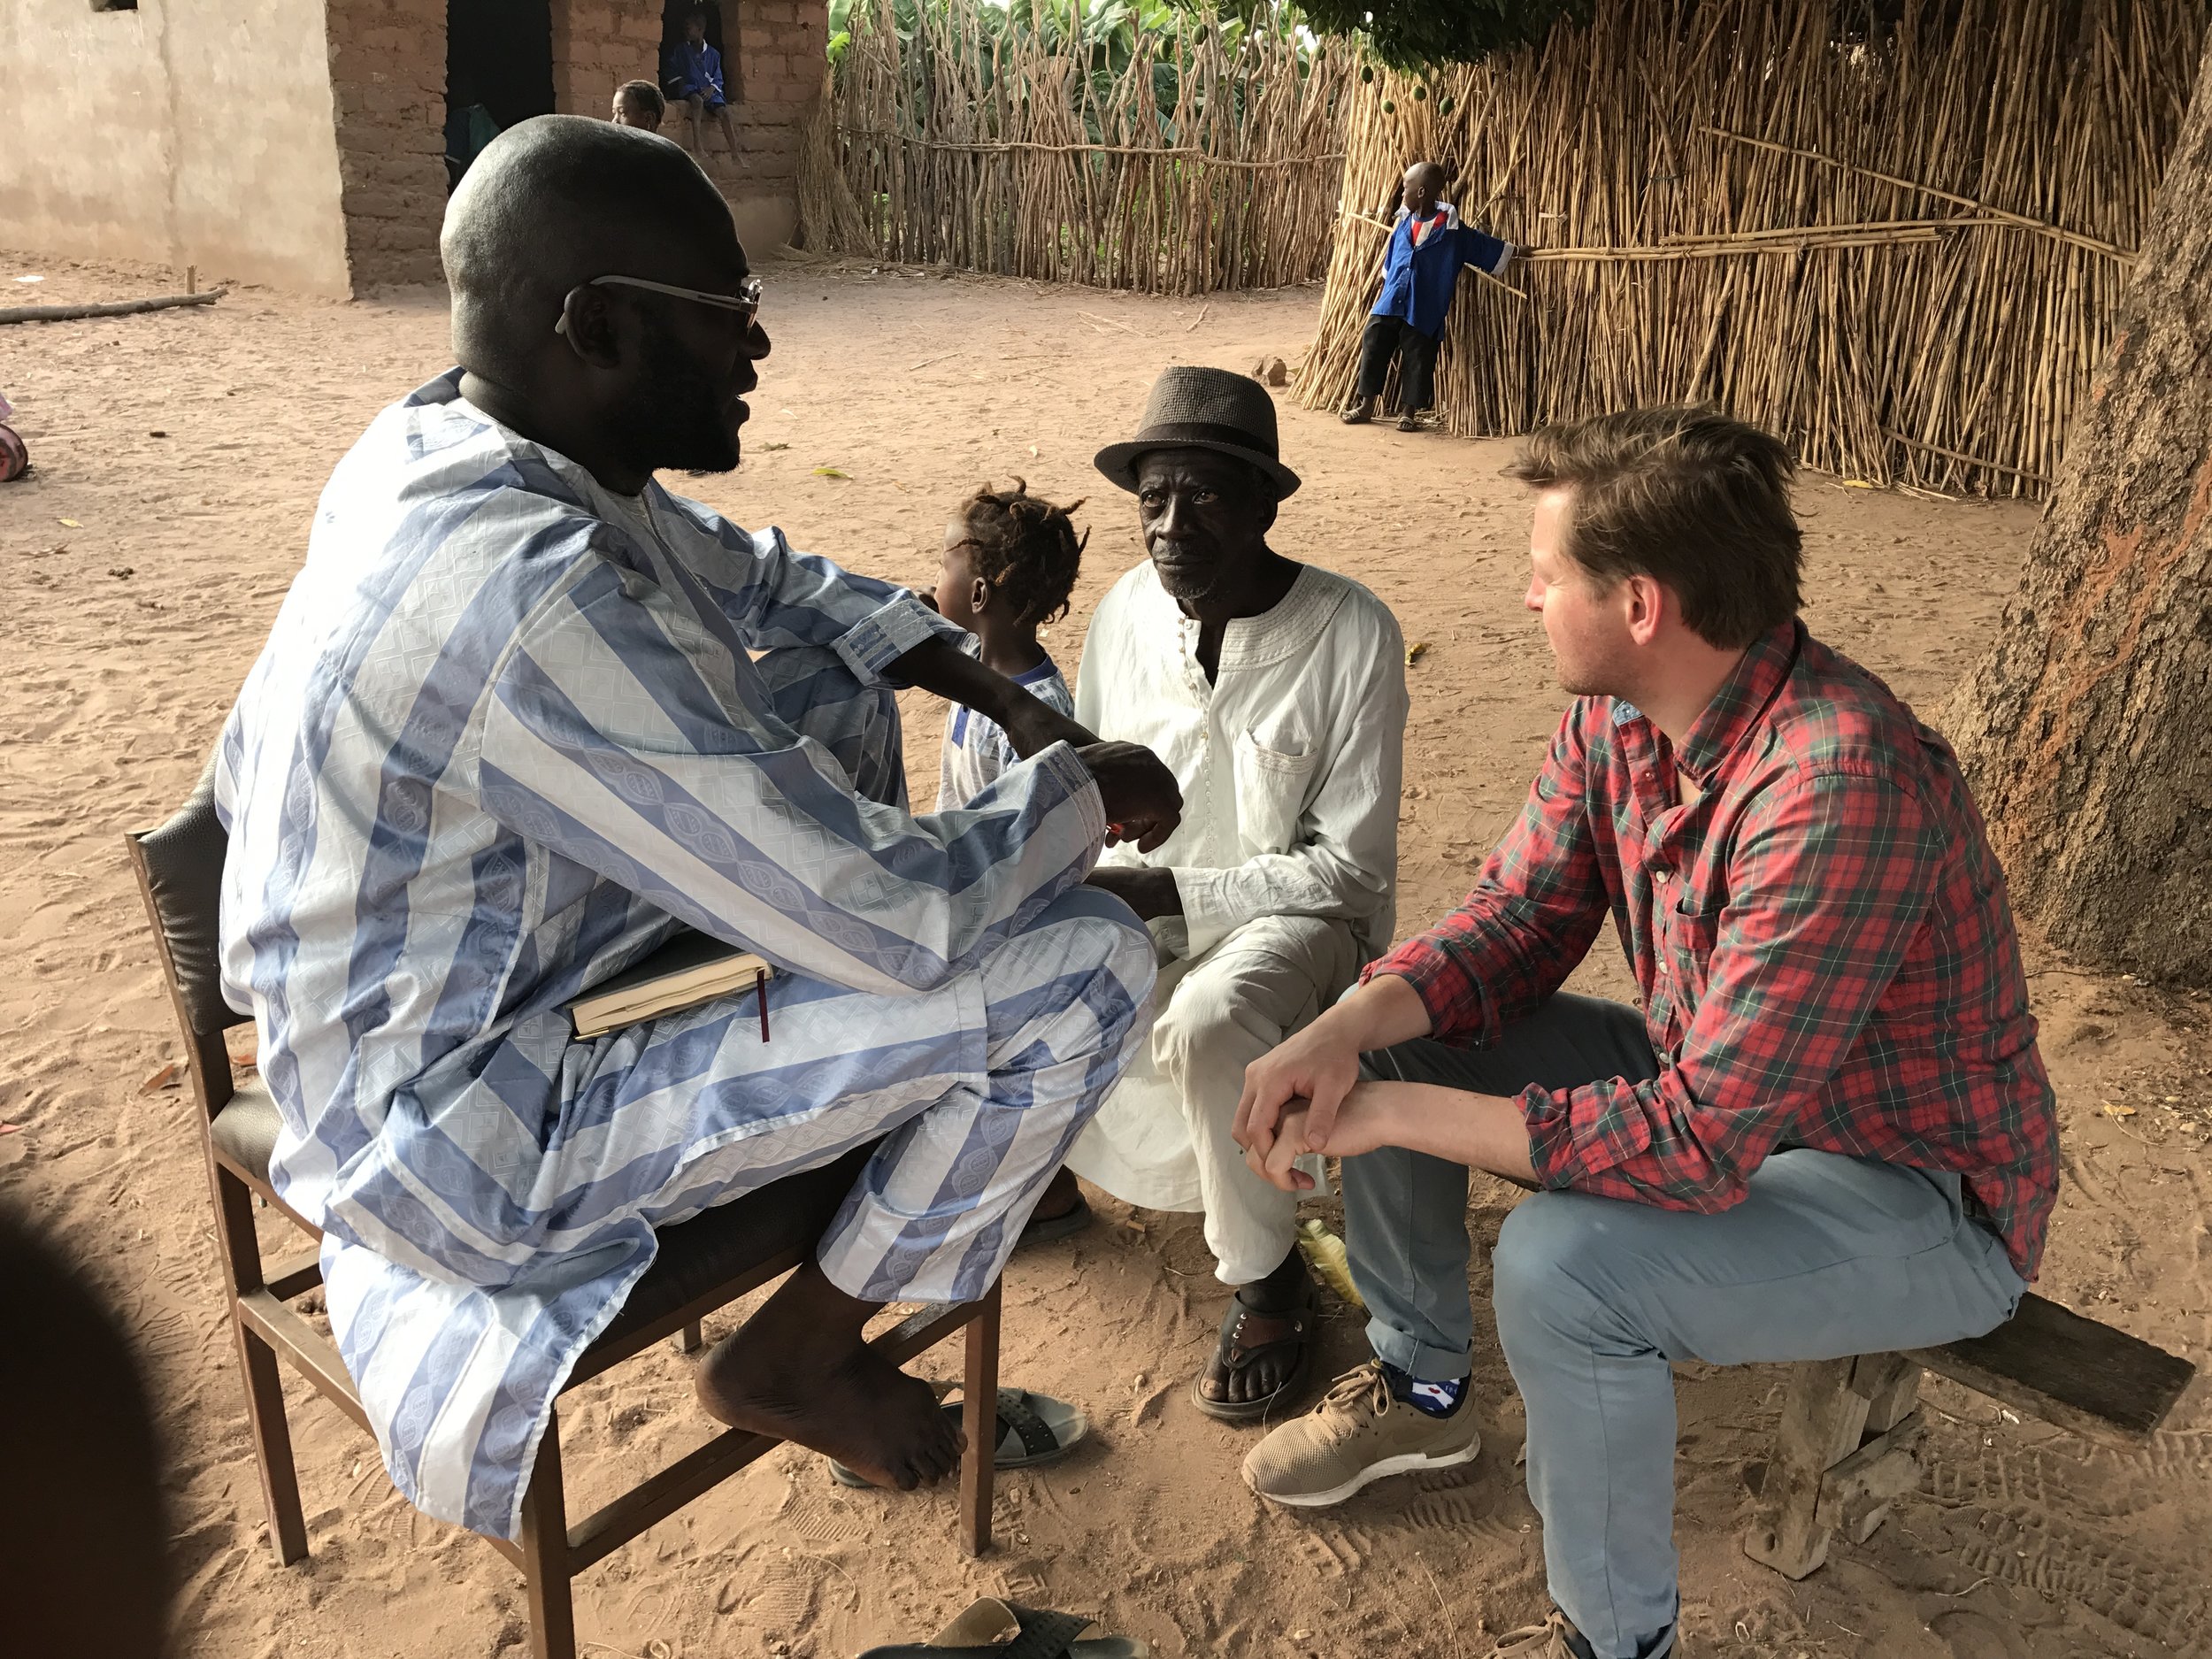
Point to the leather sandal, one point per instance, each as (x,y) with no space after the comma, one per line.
(1007,1630)
(1066,1224)
(1033,1429)
(1235,1356)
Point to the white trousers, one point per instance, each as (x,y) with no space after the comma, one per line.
(1161,1140)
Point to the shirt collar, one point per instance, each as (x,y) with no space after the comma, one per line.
(445,390)
(1742,698)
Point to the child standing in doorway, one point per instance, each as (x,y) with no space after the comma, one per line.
(1010,562)
(692,76)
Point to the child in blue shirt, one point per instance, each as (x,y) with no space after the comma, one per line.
(1009,561)
(1421,266)
(693,78)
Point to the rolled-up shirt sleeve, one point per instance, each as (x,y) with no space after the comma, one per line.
(1828,883)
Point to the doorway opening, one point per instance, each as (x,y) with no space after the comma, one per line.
(722,35)
(498,71)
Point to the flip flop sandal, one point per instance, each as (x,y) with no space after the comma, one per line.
(1033,1429)
(1063,1225)
(1301,1320)
(1009,1630)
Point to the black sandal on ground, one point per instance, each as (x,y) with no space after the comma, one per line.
(1234,1356)
(1033,1429)
(1066,1224)
(1009,1630)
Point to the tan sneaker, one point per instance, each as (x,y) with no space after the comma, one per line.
(1359,1433)
(1548,1640)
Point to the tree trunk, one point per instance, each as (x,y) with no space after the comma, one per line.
(2087,730)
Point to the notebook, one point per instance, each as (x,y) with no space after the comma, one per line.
(690,969)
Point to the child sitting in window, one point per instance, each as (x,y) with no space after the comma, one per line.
(638,104)
(693,77)
(1009,561)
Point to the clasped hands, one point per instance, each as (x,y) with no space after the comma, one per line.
(1307,1096)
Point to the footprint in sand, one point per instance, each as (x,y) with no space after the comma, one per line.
(1972,1635)
(2186,1453)
(1322,1556)
(1025,1581)
(2035,1480)
(819,1518)
(2019,1544)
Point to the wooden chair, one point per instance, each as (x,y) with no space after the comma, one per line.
(702,1265)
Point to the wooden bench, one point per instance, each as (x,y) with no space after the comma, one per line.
(1848,1446)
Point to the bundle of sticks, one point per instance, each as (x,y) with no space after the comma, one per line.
(1903,248)
(985,141)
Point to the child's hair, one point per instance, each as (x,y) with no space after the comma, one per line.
(642,92)
(1026,548)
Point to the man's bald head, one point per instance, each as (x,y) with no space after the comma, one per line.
(553,202)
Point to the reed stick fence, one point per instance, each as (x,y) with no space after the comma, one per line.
(1903,250)
(987,141)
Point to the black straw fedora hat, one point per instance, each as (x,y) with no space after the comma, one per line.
(1204,409)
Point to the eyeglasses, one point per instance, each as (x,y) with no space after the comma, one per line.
(745,301)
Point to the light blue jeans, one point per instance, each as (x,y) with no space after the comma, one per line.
(1827,1255)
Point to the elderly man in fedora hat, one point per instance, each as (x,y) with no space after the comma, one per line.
(1275,691)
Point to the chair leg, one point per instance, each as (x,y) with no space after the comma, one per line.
(692,1338)
(544,1542)
(1822,1419)
(273,1445)
(271,1434)
(979,1391)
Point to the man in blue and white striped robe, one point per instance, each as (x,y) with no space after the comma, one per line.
(508,732)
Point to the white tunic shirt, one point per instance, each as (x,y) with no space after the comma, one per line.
(1289,762)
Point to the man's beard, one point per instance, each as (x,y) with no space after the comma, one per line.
(1587,679)
(1192,587)
(679,420)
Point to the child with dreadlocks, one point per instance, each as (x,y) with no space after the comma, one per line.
(1009,561)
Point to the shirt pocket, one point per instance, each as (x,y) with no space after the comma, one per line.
(1272,784)
(1691,933)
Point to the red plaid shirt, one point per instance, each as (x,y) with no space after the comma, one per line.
(1822,938)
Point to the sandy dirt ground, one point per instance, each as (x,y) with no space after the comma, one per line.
(178,458)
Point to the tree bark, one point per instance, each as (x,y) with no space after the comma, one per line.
(2088,731)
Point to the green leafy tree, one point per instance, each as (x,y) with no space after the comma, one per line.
(1413,34)
(1103,34)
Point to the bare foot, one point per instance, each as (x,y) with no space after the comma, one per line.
(799,1369)
(1267,1349)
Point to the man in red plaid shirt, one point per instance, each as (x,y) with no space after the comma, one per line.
(1826,1130)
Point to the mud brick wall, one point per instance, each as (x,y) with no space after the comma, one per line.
(387,64)
(597,45)
(775,66)
(388,85)
(782,44)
